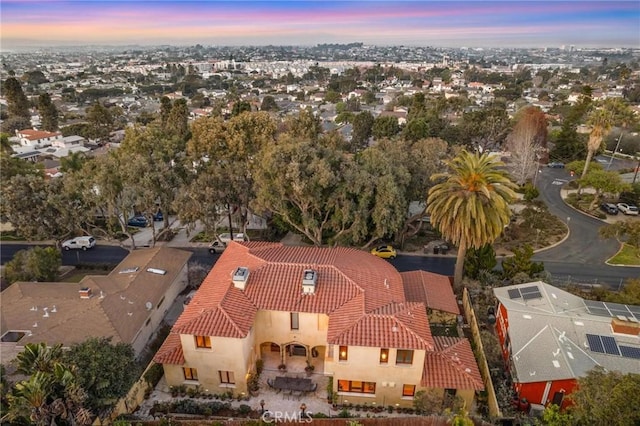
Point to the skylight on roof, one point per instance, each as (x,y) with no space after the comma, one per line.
(129,270)
(156,271)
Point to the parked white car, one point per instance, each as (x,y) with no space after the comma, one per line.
(84,243)
(629,209)
(226,237)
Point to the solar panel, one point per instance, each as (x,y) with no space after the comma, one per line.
(514,293)
(532,289)
(528,296)
(594,304)
(635,310)
(610,345)
(601,312)
(630,352)
(595,344)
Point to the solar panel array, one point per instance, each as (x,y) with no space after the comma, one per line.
(630,352)
(525,293)
(608,345)
(606,309)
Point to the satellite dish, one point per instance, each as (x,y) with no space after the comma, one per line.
(148,305)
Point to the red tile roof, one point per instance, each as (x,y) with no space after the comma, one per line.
(34,135)
(396,326)
(451,366)
(362,294)
(433,290)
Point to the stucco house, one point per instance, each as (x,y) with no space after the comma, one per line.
(550,338)
(342,310)
(127,305)
(37,138)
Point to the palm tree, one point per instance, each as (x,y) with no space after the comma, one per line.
(38,357)
(601,121)
(471,206)
(610,113)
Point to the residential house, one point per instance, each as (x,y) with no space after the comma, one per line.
(127,305)
(400,116)
(550,338)
(342,310)
(37,138)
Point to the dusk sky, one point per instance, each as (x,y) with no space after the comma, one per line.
(416,23)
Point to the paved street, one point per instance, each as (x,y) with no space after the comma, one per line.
(580,258)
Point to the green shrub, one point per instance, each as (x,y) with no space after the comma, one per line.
(244,409)
(154,374)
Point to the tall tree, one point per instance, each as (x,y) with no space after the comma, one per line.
(17,100)
(178,119)
(48,113)
(471,206)
(305,125)
(268,104)
(385,127)
(165,110)
(100,121)
(362,124)
(297,180)
(224,155)
(39,209)
(34,264)
(601,119)
(527,144)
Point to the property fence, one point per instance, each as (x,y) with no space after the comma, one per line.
(492,401)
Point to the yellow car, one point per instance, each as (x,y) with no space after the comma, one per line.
(385,252)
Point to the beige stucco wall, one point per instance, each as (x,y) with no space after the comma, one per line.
(226,354)
(275,326)
(157,313)
(468,395)
(363,364)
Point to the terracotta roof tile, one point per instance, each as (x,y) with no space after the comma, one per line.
(433,290)
(395,326)
(170,352)
(362,294)
(34,135)
(451,366)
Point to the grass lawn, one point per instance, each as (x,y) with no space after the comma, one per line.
(629,255)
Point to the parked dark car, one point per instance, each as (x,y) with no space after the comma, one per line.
(556,165)
(158,216)
(138,221)
(609,208)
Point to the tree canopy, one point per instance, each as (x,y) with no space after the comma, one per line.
(470,207)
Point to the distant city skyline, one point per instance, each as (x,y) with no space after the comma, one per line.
(384,23)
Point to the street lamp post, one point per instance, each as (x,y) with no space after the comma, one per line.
(614,152)
(262,406)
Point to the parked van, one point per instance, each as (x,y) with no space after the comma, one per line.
(84,243)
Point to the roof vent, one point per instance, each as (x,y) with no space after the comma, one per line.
(240,277)
(85,293)
(309,280)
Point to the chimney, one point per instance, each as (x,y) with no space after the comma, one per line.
(85,293)
(309,280)
(240,277)
(624,325)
